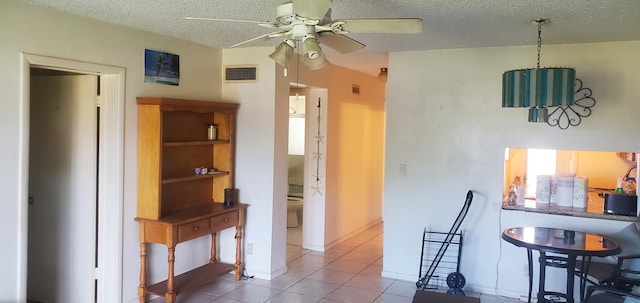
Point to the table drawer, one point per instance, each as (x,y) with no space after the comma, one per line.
(194,229)
(224,221)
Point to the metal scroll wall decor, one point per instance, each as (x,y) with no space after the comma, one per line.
(571,115)
(318,187)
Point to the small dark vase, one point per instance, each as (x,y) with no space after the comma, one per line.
(229,197)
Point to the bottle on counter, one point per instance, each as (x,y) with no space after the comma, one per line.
(512,195)
(619,189)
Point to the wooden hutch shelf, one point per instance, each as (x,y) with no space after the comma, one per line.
(192,279)
(195,177)
(193,143)
(174,204)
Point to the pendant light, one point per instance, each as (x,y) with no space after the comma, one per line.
(538,88)
(383,74)
(282,53)
(312,55)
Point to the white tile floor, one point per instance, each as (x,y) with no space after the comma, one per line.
(349,272)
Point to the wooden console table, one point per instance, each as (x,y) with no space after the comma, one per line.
(184,226)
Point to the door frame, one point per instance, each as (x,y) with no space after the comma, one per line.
(314,207)
(110,176)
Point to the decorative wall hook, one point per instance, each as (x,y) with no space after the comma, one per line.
(571,115)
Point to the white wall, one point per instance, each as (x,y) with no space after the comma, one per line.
(36,30)
(261,158)
(354,142)
(351,193)
(445,122)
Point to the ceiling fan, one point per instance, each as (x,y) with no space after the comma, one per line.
(309,21)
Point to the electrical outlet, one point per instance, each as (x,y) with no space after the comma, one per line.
(249,248)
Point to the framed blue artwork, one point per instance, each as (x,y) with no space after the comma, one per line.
(161,67)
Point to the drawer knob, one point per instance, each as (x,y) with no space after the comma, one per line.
(226,220)
(195,228)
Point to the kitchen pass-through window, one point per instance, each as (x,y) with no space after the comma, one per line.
(539,162)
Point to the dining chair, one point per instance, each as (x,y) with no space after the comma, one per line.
(614,283)
(620,275)
(608,294)
(625,277)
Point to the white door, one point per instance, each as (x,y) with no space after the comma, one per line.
(62,184)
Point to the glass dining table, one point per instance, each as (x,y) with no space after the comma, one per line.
(559,248)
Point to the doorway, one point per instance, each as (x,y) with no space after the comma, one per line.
(68,232)
(296,161)
(62,186)
(314,191)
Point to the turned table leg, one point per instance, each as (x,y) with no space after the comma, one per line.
(214,257)
(143,272)
(170,296)
(239,268)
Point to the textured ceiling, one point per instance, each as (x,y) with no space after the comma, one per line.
(447,23)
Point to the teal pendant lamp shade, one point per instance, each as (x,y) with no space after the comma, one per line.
(538,88)
(538,114)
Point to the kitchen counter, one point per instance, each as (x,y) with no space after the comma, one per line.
(594,208)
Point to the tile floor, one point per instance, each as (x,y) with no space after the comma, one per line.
(349,272)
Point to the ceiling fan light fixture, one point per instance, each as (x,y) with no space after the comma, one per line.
(283,52)
(311,47)
(310,23)
(317,63)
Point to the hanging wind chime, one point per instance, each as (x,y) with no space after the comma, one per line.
(317,155)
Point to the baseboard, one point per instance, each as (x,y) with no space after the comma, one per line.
(266,275)
(350,235)
(399,276)
(496,292)
(319,248)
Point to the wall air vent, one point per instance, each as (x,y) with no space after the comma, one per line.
(355,89)
(241,74)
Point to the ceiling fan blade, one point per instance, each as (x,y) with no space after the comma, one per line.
(383,26)
(311,9)
(339,42)
(269,24)
(262,38)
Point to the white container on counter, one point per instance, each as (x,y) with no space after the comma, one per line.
(580,192)
(564,190)
(564,199)
(543,189)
